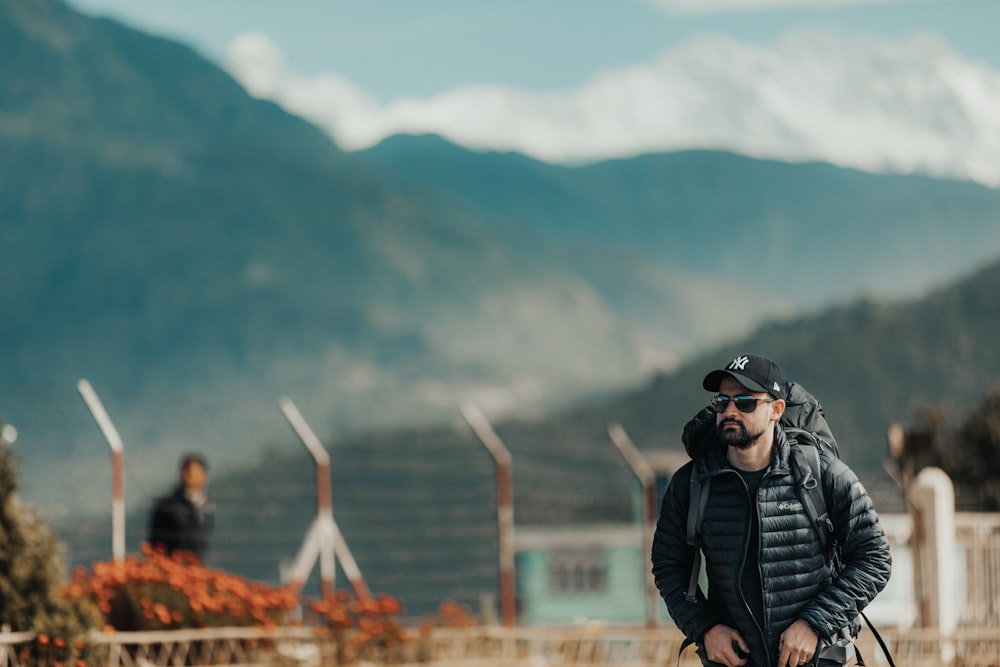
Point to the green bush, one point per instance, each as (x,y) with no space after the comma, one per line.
(31,576)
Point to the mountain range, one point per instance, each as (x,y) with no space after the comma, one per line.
(196,253)
(728,216)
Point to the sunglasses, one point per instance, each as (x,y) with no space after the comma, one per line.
(743,403)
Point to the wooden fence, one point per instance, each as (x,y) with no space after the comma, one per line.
(978,534)
(521,647)
(482,646)
(290,646)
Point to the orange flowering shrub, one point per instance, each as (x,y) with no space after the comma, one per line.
(364,629)
(154,591)
(450,614)
(453,614)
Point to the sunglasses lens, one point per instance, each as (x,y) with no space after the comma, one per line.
(743,403)
(720,403)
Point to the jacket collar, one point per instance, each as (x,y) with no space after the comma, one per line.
(714,461)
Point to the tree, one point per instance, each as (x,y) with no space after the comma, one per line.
(973,456)
(32,570)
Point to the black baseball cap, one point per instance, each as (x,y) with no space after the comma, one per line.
(753,372)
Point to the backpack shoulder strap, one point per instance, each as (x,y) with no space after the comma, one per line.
(878,637)
(696,514)
(805,459)
(694,510)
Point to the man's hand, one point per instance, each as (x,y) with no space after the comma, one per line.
(721,643)
(798,644)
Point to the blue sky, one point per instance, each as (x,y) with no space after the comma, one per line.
(406,47)
(894,85)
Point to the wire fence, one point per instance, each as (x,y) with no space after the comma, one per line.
(418,509)
(419,512)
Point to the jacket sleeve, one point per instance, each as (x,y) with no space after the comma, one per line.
(161,524)
(673,558)
(865,560)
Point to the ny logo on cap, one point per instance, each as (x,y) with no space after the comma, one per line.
(739,363)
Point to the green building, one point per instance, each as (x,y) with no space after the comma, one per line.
(581,574)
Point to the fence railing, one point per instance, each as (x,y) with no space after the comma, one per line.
(212,646)
(515,647)
(977,642)
(484,646)
(978,535)
(11,646)
(975,572)
(298,646)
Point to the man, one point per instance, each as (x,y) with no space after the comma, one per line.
(182,520)
(772,598)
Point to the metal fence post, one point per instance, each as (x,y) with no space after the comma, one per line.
(117,467)
(505,508)
(647,478)
(324,539)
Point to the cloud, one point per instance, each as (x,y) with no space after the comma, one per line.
(330,101)
(909,105)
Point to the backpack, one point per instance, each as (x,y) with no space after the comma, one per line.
(807,431)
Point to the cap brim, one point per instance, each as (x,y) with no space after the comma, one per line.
(713,381)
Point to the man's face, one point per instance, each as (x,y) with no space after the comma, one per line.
(743,429)
(194,476)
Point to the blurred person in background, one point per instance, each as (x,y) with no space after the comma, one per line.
(183,519)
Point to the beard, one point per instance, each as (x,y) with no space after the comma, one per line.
(740,438)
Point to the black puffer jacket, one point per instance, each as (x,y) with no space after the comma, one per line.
(178,524)
(796,580)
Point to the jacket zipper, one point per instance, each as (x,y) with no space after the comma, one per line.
(739,576)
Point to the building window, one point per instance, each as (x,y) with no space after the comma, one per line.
(577,572)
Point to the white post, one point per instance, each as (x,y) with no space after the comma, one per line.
(117,467)
(933,498)
(324,539)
